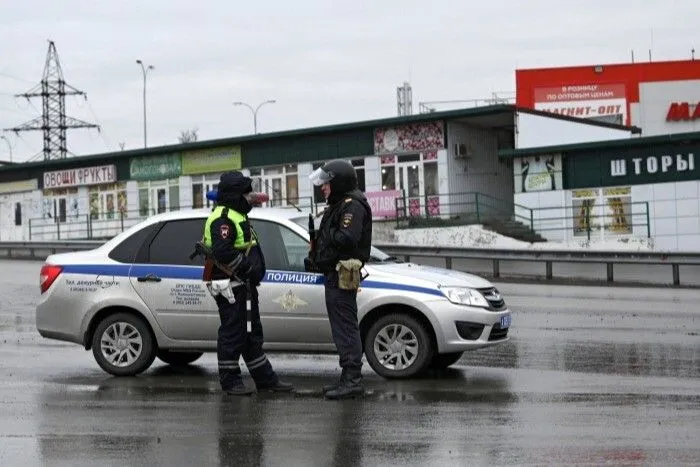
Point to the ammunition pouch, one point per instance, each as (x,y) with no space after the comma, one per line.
(349,275)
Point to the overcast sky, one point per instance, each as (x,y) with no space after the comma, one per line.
(324,63)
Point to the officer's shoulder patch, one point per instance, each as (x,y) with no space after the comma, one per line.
(347,219)
(347,200)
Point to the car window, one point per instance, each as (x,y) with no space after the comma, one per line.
(376,255)
(126,251)
(283,249)
(175,242)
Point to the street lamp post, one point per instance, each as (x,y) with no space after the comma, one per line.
(9,146)
(145,69)
(255,112)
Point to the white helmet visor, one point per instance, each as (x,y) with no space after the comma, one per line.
(319,176)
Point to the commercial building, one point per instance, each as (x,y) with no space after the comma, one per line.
(421,164)
(610,189)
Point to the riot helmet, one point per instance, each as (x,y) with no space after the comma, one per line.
(339,173)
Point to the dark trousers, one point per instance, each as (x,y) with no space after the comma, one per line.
(341,306)
(234,341)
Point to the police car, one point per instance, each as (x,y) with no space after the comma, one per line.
(140,296)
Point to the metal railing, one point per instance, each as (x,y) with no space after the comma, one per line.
(104,226)
(455,209)
(610,260)
(669,265)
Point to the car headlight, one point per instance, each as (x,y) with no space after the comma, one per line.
(465,296)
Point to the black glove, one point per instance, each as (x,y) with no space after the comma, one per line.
(309,265)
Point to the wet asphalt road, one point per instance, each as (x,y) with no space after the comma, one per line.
(591,376)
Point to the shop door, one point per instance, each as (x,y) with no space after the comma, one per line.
(410,177)
(275,188)
(159,199)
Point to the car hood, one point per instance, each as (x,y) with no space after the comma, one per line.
(408,272)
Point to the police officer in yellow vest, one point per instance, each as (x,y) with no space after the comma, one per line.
(233,242)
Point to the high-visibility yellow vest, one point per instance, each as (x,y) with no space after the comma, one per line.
(237,219)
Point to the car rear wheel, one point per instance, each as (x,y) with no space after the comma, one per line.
(398,346)
(178,358)
(443,360)
(123,345)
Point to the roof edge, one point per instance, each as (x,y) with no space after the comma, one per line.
(612,143)
(543,113)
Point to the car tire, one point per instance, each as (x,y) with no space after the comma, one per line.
(444,360)
(398,346)
(178,358)
(123,345)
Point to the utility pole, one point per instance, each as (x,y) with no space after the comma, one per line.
(53,121)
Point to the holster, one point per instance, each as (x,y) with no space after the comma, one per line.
(208,269)
(349,275)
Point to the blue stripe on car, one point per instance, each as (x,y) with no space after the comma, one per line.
(167,271)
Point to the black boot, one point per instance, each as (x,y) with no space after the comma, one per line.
(279,386)
(350,386)
(238,389)
(336,385)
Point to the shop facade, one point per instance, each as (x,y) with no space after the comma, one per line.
(658,97)
(642,187)
(416,166)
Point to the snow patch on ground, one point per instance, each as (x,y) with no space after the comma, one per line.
(476,236)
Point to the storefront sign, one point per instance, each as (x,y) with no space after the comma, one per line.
(585,101)
(652,165)
(383,203)
(409,138)
(683,112)
(80,177)
(211,160)
(155,167)
(631,166)
(18,186)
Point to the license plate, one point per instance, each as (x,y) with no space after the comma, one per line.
(505,321)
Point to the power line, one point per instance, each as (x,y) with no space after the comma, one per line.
(15,78)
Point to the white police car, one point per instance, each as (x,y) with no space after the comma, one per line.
(140,296)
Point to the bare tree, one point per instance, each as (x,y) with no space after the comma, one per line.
(188,136)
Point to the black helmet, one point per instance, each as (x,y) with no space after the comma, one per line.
(339,173)
(234,182)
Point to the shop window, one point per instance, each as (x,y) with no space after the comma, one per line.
(606,210)
(143,202)
(18,214)
(388,178)
(174,195)
(61,214)
(198,195)
(430,174)
(359,165)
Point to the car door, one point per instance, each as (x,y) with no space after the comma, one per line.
(170,283)
(292,303)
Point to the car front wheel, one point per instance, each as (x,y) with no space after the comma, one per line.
(398,346)
(123,345)
(178,358)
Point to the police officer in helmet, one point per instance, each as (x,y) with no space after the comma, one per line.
(341,247)
(234,246)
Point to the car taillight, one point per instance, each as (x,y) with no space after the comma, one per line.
(49,273)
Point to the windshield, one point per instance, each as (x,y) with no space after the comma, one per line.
(375,255)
